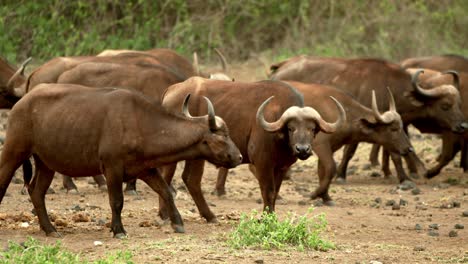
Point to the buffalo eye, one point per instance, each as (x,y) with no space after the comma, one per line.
(445,107)
(291,129)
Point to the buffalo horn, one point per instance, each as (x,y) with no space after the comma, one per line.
(270,127)
(185,110)
(392,105)
(196,67)
(331,127)
(211,115)
(431,93)
(20,71)
(222,59)
(386,119)
(456,78)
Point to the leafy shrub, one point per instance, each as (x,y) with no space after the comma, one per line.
(302,232)
(31,252)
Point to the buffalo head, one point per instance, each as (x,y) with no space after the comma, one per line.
(216,142)
(387,128)
(443,103)
(302,124)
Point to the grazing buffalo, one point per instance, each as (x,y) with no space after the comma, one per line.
(271,146)
(440,105)
(81,131)
(362,124)
(451,142)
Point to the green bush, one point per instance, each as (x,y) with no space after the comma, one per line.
(32,252)
(301,232)
(385,28)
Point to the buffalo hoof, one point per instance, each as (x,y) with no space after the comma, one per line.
(120,236)
(131,192)
(54,234)
(329,203)
(213,220)
(414,175)
(340,180)
(431,174)
(219,192)
(73,191)
(178,228)
(103,188)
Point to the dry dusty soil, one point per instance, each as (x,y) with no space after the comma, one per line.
(364,228)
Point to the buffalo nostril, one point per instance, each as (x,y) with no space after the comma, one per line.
(240,157)
(410,149)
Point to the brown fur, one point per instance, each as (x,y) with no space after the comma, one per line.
(113,131)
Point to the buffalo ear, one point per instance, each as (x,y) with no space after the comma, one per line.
(413,99)
(367,125)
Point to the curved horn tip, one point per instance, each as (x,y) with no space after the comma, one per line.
(340,107)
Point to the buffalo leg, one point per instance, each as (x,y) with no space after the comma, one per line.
(192,177)
(221,181)
(348,153)
(396,158)
(68,183)
(27,175)
(168,172)
(265,177)
(374,155)
(37,190)
(415,166)
(114,176)
(386,164)
(326,170)
(153,178)
(464,155)
(450,147)
(130,187)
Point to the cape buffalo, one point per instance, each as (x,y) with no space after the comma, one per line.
(81,131)
(440,105)
(271,147)
(362,124)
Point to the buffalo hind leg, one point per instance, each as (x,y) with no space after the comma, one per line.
(464,156)
(37,190)
(114,172)
(221,181)
(68,184)
(450,147)
(348,153)
(374,155)
(167,172)
(192,176)
(153,178)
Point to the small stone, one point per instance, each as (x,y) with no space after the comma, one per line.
(378,200)
(418,227)
(98,243)
(375,262)
(349,213)
(419,248)
(416,191)
(465,192)
(407,185)
(453,233)
(433,233)
(375,174)
(366,166)
(465,214)
(434,226)
(403,202)
(82,200)
(456,204)
(302,202)
(101,222)
(77,208)
(259,261)
(390,203)
(81,218)
(459,226)
(443,185)
(396,207)
(145,223)
(259,201)
(17,180)
(24,224)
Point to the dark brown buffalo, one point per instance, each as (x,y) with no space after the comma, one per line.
(439,63)
(82,131)
(362,125)
(271,147)
(440,105)
(451,142)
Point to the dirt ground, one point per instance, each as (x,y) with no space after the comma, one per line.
(364,231)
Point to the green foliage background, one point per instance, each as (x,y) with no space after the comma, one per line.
(392,29)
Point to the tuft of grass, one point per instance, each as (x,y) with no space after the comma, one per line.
(268,232)
(32,251)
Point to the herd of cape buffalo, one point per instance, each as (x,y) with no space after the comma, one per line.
(124,115)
